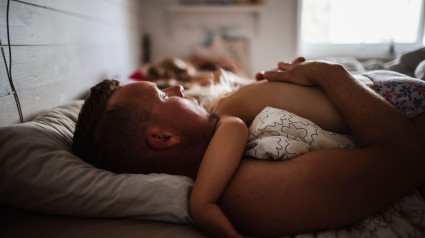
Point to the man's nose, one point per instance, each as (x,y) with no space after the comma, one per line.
(175,91)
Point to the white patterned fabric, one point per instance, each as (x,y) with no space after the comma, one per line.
(277,134)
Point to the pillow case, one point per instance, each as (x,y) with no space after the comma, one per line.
(38,172)
(276,134)
(420,70)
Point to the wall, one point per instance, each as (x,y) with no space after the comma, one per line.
(272,33)
(60,48)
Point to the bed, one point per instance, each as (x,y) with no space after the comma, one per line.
(46,191)
(24,223)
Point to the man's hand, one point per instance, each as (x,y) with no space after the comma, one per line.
(261,75)
(299,71)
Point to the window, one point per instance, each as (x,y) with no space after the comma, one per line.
(360,28)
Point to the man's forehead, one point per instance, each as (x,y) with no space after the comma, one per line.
(138,88)
(133,91)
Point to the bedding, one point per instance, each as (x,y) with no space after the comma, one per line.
(277,134)
(420,70)
(410,63)
(22,223)
(37,172)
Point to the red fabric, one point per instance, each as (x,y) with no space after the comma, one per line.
(138,75)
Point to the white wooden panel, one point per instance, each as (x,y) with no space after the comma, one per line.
(35,100)
(8,111)
(131,7)
(95,9)
(35,66)
(30,25)
(4,81)
(108,11)
(43,98)
(39,99)
(60,48)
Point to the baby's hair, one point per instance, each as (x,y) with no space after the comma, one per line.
(216,92)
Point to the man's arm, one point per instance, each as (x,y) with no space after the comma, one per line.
(371,119)
(330,188)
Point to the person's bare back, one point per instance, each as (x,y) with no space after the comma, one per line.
(308,102)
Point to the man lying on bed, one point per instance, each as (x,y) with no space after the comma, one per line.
(335,187)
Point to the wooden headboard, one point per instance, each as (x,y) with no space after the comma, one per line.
(60,48)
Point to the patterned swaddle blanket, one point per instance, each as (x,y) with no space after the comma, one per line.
(280,135)
(277,134)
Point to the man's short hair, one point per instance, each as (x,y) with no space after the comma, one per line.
(89,117)
(113,138)
(121,142)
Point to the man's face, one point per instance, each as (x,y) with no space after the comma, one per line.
(170,105)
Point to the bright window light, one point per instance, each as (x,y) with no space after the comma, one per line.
(360,25)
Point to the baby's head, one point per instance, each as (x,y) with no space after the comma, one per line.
(169,68)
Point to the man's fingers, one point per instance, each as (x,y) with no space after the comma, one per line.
(279,74)
(298,60)
(259,76)
(286,65)
(275,75)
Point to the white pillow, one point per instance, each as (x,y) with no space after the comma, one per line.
(420,70)
(38,172)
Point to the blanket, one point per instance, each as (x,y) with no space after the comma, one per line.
(280,135)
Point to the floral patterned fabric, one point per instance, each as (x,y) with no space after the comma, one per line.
(405,93)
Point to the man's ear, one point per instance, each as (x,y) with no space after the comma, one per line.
(160,138)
